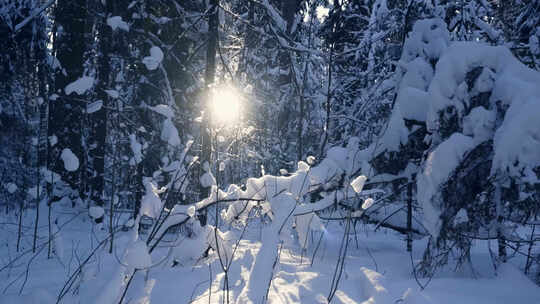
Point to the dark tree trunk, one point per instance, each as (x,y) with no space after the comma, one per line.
(210,72)
(98,119)
(65,114)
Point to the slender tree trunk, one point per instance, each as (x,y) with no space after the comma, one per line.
(49,249)
(111,230)
(19,228)
(210,73)
(112,202)
(501,240)
(65,112)
(529,261)
(139,189)
(38,192)
(98,120)
(36,221)
(409,214)
(50,189)
(328,102)
(302,115)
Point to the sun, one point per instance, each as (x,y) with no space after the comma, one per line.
(225,105)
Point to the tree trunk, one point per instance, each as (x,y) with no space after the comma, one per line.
(501,240)
(409,214)
(66,111)
(210,73)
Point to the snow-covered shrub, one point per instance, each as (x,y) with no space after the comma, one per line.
(406,129)
(467,112)
(493,98)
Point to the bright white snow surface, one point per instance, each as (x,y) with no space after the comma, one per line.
(278,252)
(383,279)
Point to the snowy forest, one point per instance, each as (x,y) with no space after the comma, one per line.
(270,151)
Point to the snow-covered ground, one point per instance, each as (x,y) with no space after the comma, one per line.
(377,269)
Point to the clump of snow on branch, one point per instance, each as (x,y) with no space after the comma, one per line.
(169,133)
(153,61)
(53,140)
(71,162)
(151,204)
(358,183)
(96,212)
(116,22)
(367,203)
(479,124)
(112,93)
(11,187)
(207,179)
(80,86)
(427,41)
(461,217)
(163,109)
(94,106)
(136,148)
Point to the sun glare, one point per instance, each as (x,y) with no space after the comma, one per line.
(226,105)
